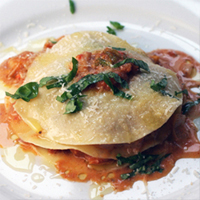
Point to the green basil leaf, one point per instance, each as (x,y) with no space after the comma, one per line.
(102,62)
(181,92)
(119,48)
(141,164)
(53,41)
(25,92)
(89,79)
(64,97)
(111,31)
(164,93)
(118,79)
(128,175)
(143,161)
(59,81)
(73,72)
(52,81)
(122,160)
(70,107)
(122,94)
(141,64)
(115,90)
(186,107)
(44,81)
(73,106)
(72,6)
(117,25)
(79,86)
(160,85)
(109,83)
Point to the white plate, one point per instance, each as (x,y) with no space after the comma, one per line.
(149,24)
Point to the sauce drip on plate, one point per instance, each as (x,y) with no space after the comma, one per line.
(187,70)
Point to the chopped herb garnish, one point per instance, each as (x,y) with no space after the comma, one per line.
(72,6)
(117,25)
(119,48)
(73,106)
(186,107)
(181,92)
(25,92)
(59,81)
(52,81)
(111,31)
(53,41)
(160,87)
(141,164)
(102,62)
(75,89)
(115,90)
(73,92)
(164,93)
(118,79)
(30,90)
(139,63)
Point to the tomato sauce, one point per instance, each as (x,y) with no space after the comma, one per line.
(13,70)
(101,61)
(186,67)
(50,43)
(7,116)
(5,133)
(179,139)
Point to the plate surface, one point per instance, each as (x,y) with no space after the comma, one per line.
(149,25)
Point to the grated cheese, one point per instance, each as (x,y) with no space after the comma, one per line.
(155,25)
(30,25)
(94,106)
(34,187)
(170,180)
(25,34)
(186,171)
(197,174)
(42,27)
(175,170)
(24,180)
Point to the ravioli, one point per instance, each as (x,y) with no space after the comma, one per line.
(105,118)
(25,133)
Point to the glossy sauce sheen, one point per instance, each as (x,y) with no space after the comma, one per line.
(182,141)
